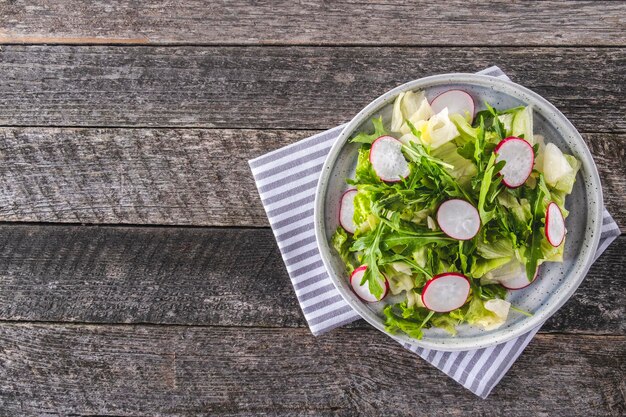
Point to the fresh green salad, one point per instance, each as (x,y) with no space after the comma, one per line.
(449,209)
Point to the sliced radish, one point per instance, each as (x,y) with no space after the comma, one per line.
(519,158)
(387,159)
(446,292)
(346,211)
(363,291)
(457,101)
(518,281)
(555,225)
(458,219)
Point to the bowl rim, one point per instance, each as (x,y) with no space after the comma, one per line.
(595,206)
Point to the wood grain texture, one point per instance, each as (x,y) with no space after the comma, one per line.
(172,371)
(174,176)
(166,176)
(349,22)
(279,87)
(200,276)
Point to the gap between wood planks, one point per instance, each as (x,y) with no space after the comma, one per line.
(349,327)
(140,42)
(209,128)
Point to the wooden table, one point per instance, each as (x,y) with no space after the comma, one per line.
(138,275)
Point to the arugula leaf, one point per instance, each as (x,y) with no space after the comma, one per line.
(489,190)
(369,244)
(416,152)
(490,291)
(433,169)
(496,123)
(534,253)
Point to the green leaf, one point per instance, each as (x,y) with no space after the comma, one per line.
(534,253)
(477,314)
(448,321)
(482,266)
(362,206)
(566,183)
(370,245)
(379,131)
(467,134)
(365,173)
(485,213)
(342,242)
(500,248)
(411,322)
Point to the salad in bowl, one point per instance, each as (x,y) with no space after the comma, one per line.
(450,209)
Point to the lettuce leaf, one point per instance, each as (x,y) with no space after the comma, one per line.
(414,299)
(379,130)
(409,106)
(447,321)
(463,169)
(467,133)
(365,173)
(342,242)
(488,314)
(399,281)
(507,122)
(440,130)
(522,124)
(410,321)
(501,248)
(482,266)
(550,253)
(520,208)
(566,182)
(362,207)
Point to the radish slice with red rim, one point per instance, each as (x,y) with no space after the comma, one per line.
(346,211)
(555,225)
(387,159)
(446,292)
(458,219)
(363,291)
(518,281)
(519,158)
(457,101)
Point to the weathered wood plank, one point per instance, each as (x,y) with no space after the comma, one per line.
(200,276)
(181,176)
(349,22)
(138,370)
(173,176)
(278,87)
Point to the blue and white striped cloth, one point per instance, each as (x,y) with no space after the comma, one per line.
(286,179)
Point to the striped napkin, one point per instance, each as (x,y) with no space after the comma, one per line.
(286,179)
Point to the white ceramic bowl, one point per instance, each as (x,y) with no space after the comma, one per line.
(556,281)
